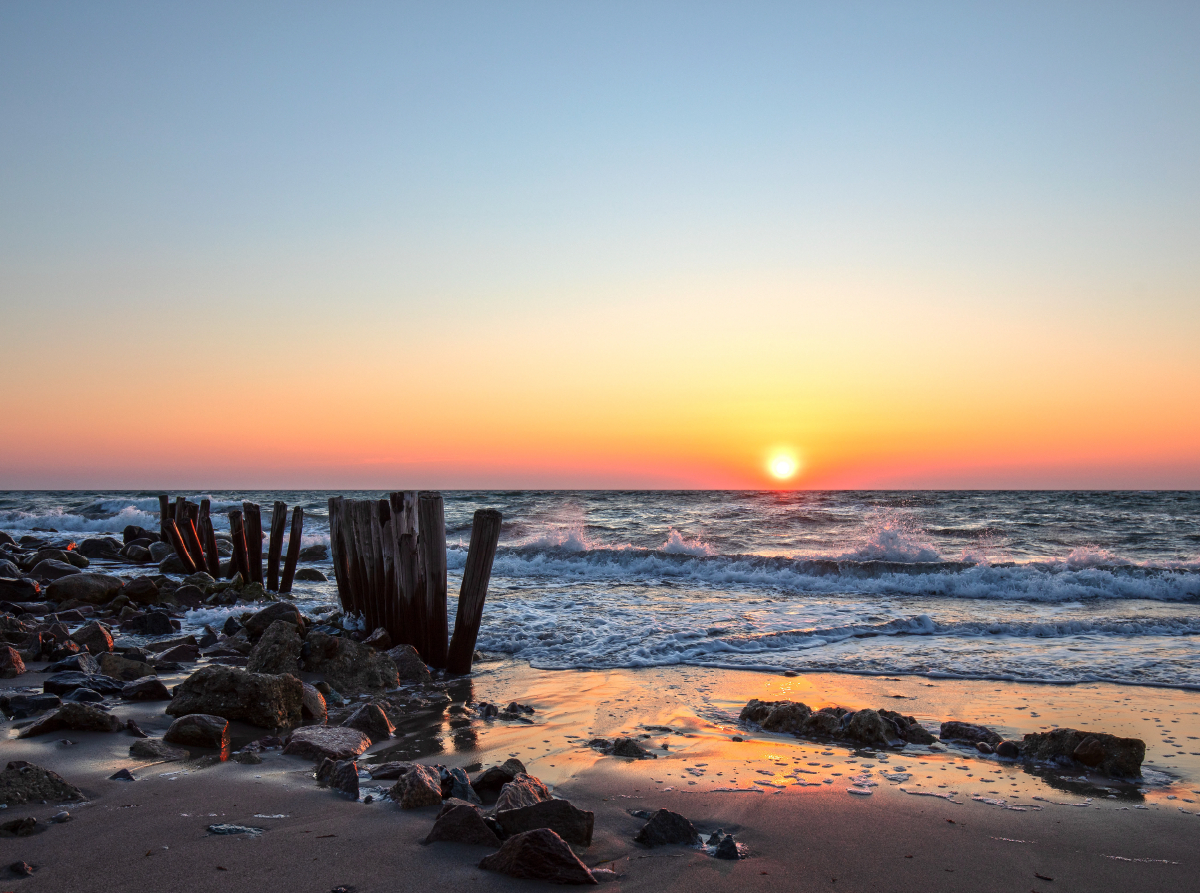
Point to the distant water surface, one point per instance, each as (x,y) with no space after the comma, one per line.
(1035,586)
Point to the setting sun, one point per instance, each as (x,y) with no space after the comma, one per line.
(783,467)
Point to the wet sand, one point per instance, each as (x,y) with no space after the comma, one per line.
(935,819)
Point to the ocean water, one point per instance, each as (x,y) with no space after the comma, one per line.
(1056,587)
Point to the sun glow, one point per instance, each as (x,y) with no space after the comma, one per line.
(783,466)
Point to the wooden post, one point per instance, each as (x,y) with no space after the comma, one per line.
(485,534)
(191,539)
(275,548)
(164,515)
(338,553)
(432,515)
(237,532)
(180,549)
(212,558)
(253,515)
(293,552)
(180,509)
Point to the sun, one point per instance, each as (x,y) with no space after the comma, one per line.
(783,466)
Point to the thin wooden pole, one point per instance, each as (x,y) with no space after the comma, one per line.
(176,542)
(212,558)
(164,515)
(253,528)
(275,549)
(237,532)
(293,552)
(481,554)
(432,514)
(180,509)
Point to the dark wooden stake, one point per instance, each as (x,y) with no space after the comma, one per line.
(191,539)
(164,515)
(432,519)
(485,534)
(254,539)
(180,509)
(176,542)
(275,548)
(338,554)
(212,558)
(237,532)
(293,552)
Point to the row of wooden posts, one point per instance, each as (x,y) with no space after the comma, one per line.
(389,559)
(189,530)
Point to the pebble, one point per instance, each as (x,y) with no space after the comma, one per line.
(60,817)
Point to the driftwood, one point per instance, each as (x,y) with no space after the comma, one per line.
(293,552)
(253,529)
(275,549)
(485,535)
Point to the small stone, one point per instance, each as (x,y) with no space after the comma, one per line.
(372,722)
(1010,750)
(968,732)
(122,775)
(199,730)
(11,664)
(134,729)
(572,824)
(462,824)
(984,747)
(409,665)
(489,783)
(538,855)
(247,758)
(61,817)
(157,749)
(21,869)
(79,717)
(727,848)
(628,747)
(94,637)
(336,743)
(420,786)
(523,790)
(666,827)
(149,688)
(344,778)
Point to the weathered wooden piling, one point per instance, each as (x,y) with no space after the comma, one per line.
(481,554)
(176,541)
(208,539)
(432,520)
(164,515)
(191,539)
(293,552)
(253,528)
(237,532)
(275,548)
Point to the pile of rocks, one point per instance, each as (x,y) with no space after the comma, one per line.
(867,727)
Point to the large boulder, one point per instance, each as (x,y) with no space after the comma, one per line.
(869,728)
(53,569)
(539,855)
(371,721)
(19,589)
(270,702)
(666,827)
(572,824)
(461,823)
(349,667)
(333,742)
(419,786)
(1107,754)
(261,621)
(523,790)
(23,782)
(277,651)
(141,591)
(776,716)
(100,547)
(93,637)
(94,589)
(968,733)
(123,668)
(199,730)
(409,666)
(11,664)
(75,717)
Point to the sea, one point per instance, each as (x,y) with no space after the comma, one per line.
(1052,587)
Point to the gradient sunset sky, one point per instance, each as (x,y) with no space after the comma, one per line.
(611,244)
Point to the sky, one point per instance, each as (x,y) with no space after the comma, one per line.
(593,245)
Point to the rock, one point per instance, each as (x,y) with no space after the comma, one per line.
(822,725)
(1107,754)
(8,569)
(134,729)
(24,706)
(79,663)
(312,705)
(94,637)
(349,667)
(142,591)
(523,790)
(380,639)
(389,771)
(148,688)
(277,651)
(181,654)
(572,824)
(21,869)
(199,730)
(19,589)
(152,623)
(270,702)
(334,742)
(1010,750)
(456,785)
(133,532)
(160,550)
(258,623)
(123,668)
(419,786)
(344,777)
(776,716)
(100,547)
(489,783)
(78,717)
(247,758)
(984,747)
(908,727)
(462,824)
(23,782)
(869,728)
(727,848)
(83,696)
(666,827)
(310,575)
(65,683)
(171,564)
(122,775)
(18,827)
(53,569)
(628,747)
(968,733)
(372,722)
(94,589)
(409,666)
(137,554)
(539,855)
(11,665)
(315,552)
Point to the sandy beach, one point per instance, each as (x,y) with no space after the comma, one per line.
(936,818)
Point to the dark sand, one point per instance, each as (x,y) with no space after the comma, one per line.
(802,833)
